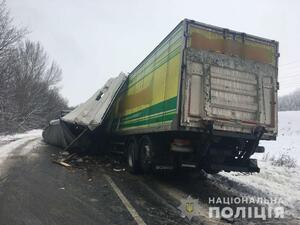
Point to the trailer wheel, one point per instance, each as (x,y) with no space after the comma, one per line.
(146,154)
(132,157)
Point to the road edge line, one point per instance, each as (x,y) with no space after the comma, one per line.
(125,201)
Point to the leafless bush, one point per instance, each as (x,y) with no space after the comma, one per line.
(285,161)
(290,102)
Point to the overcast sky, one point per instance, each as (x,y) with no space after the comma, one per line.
(93,40)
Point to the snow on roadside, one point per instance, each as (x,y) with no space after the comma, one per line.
(272,182)
(31,133)
(14,141)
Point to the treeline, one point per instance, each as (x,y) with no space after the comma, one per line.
(29,96)
(290,102)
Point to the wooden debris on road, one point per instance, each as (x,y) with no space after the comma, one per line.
(62,163)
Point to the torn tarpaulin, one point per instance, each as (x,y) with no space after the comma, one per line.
(81,123)
(92,113)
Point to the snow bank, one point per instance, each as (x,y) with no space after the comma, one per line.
(271,182)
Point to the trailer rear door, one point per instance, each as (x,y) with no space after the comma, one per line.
(230,79)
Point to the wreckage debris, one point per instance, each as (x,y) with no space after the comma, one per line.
(64,153)
(76,129)
(62,163)
(80,160)
(119,169)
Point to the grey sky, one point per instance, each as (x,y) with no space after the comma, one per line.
(93,40)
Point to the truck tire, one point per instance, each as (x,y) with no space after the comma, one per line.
(132,157)
(146,151)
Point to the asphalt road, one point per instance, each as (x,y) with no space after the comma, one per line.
(96,190)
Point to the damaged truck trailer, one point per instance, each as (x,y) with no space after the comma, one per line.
(203,98)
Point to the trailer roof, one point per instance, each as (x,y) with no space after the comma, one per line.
(221,29)
(207,26)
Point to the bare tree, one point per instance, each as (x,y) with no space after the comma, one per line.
(35,91)
(29,97)
(9,34)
